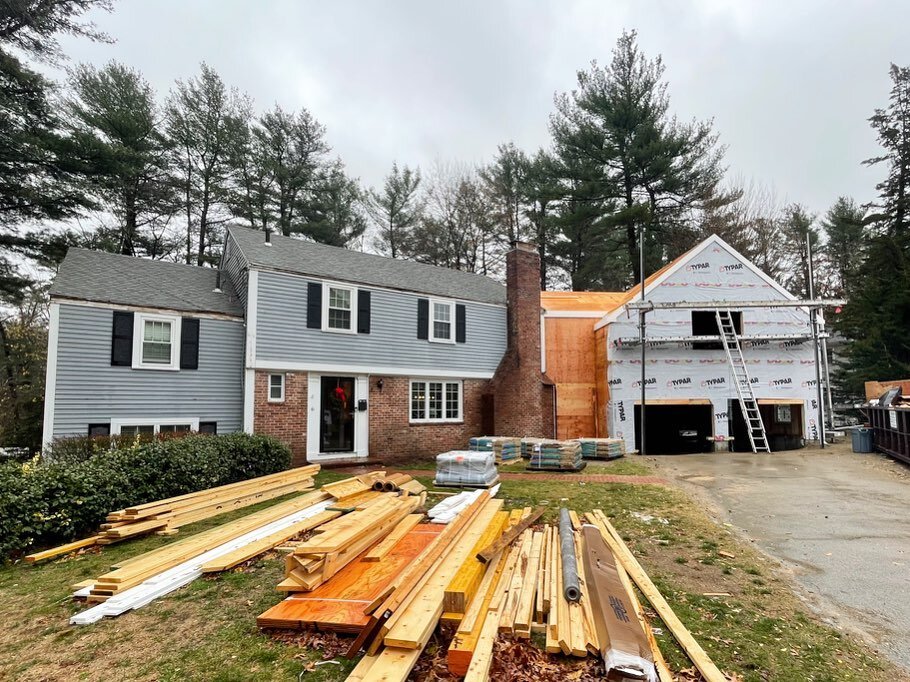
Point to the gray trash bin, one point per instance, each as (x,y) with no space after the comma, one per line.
(862,440)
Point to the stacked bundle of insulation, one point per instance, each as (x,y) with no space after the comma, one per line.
(557,455)
(602,448)
(466,468)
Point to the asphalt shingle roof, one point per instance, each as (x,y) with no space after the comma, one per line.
(320,260)
(110,278)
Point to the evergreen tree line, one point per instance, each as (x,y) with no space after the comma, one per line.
(101,160)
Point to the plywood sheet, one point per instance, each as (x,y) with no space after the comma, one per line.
(339,603)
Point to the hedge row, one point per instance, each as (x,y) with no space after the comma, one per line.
(43,504)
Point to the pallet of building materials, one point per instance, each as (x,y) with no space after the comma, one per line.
(505,448)
(530,446)
(557,455)
(602,448)
(164,517)
(466,468)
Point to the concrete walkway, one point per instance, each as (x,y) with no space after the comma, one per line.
(839,521)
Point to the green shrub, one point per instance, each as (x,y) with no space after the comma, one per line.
(48,503)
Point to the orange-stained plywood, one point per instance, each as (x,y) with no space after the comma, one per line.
(338,604)
(570,349)
(581,301)
(570,356)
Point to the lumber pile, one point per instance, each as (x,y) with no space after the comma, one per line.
(557,455)
(602,448)
(340,541)
(166,516)
(504,448)
(466,468)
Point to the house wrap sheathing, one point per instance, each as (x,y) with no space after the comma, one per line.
(678,373)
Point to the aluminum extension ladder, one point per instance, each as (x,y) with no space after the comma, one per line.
(747,402)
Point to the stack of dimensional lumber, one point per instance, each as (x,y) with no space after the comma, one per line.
(339,542)
(602,448)
(459,468)
(133,572)
(342,603)
(504,448)
(403,623)
(557,455)
(166,516)
(397,483)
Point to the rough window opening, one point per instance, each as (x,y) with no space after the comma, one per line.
(704,323)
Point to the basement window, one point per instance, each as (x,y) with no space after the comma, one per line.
(140,427)
(704,323)
(276,388)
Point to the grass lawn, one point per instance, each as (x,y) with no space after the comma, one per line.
(207,631)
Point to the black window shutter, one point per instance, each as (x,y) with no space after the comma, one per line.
(363,312)
(189,343)
(122,339)
(423,318)
(460,331)
(314,305)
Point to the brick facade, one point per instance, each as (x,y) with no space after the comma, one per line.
(392,435)
(287,420)
(523,396)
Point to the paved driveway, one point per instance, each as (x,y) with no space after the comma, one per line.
(839,521)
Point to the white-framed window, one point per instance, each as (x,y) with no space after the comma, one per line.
(442,321)
(276,388)
(435,400)
(156,341)
(140,426)
(339,308)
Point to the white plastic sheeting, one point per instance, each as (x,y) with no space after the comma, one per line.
(182,574)
(449,508)
(778,369)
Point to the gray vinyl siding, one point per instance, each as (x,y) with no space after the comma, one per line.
(89,390)
(235,269)
(282,334)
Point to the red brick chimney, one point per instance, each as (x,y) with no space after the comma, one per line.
(523,397)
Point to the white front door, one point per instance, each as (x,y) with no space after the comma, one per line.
(337,424)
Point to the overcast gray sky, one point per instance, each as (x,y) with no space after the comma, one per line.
(788,84)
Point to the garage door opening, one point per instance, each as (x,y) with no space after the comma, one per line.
(675,429)
(783,425)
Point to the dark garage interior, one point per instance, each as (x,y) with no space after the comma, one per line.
(675,429)
(783,426)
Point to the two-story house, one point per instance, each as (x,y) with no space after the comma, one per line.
(338,353)
(593,354)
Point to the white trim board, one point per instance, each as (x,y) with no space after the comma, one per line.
(50,380)
(374,370)
(249,375)
(593,314)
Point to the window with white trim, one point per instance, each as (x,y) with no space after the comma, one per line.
(276,388)
(442,321)
(436,401)
(339,312)
(156,341)
(138,427)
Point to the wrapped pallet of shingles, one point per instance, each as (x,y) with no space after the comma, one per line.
(459,468)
